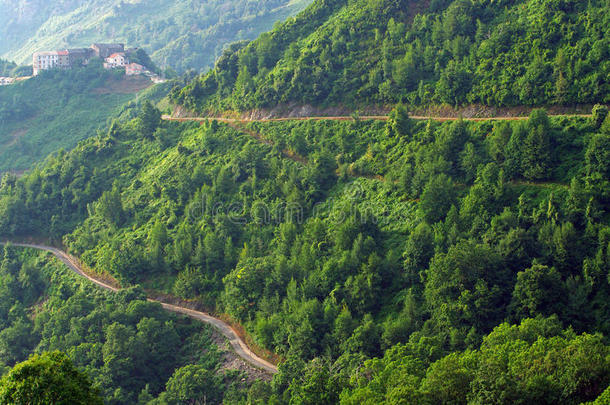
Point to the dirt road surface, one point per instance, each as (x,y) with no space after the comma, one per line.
(349,118)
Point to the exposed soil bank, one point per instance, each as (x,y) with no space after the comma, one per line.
(442,111)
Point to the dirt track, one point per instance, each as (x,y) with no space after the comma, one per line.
(225,329)
(349,118)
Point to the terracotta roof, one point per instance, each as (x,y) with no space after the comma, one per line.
(114,55)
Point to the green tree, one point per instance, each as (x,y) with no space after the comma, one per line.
(148,120)
(539,290)
(193,384)
(323,169)
(465,287)
(419,250)
(110,206)
(454,84)
(436,199)
(599,112)
(157,241)
(498,141)
(536,159)
(448,379)
(451,142)
(317,386)
(16,341)
(49,378)
(399,123)
(597,157)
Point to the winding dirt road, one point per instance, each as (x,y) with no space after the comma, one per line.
(240,347)
(349,118)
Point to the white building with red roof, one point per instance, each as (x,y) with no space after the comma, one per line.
(116,60)
(44,61)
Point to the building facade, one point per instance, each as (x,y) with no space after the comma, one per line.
(80,56)
(134,69)
(69,58)
(5,81)
(63,60)
(116,60)
(114,56)
(44,61)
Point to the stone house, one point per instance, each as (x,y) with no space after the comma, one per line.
(105,50)
(134,69)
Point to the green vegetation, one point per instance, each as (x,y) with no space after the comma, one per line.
(57,109)
(382,261)
(130,349)
(180,35)
(534,362)
(361,53)
(6,67)
(50,378)
(396,262)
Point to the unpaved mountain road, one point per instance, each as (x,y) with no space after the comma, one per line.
(240,347)
(350,118)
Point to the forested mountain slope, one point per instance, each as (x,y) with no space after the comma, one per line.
(383,261)
(398,261)
(362,52)
(184,34)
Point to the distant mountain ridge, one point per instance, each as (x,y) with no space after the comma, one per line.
(183,34)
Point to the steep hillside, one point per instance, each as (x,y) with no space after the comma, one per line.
(406,248)
(184,34)
(361,53)
(57,110)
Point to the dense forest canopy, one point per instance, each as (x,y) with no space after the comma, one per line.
(335,243)
(361,53)
(181,35)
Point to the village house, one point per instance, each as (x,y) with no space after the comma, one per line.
(4,81)
(69,58)
(63,60)
(113,55)
(134,69)
(79,56)
(116,60)
(44,61)
(105,50)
